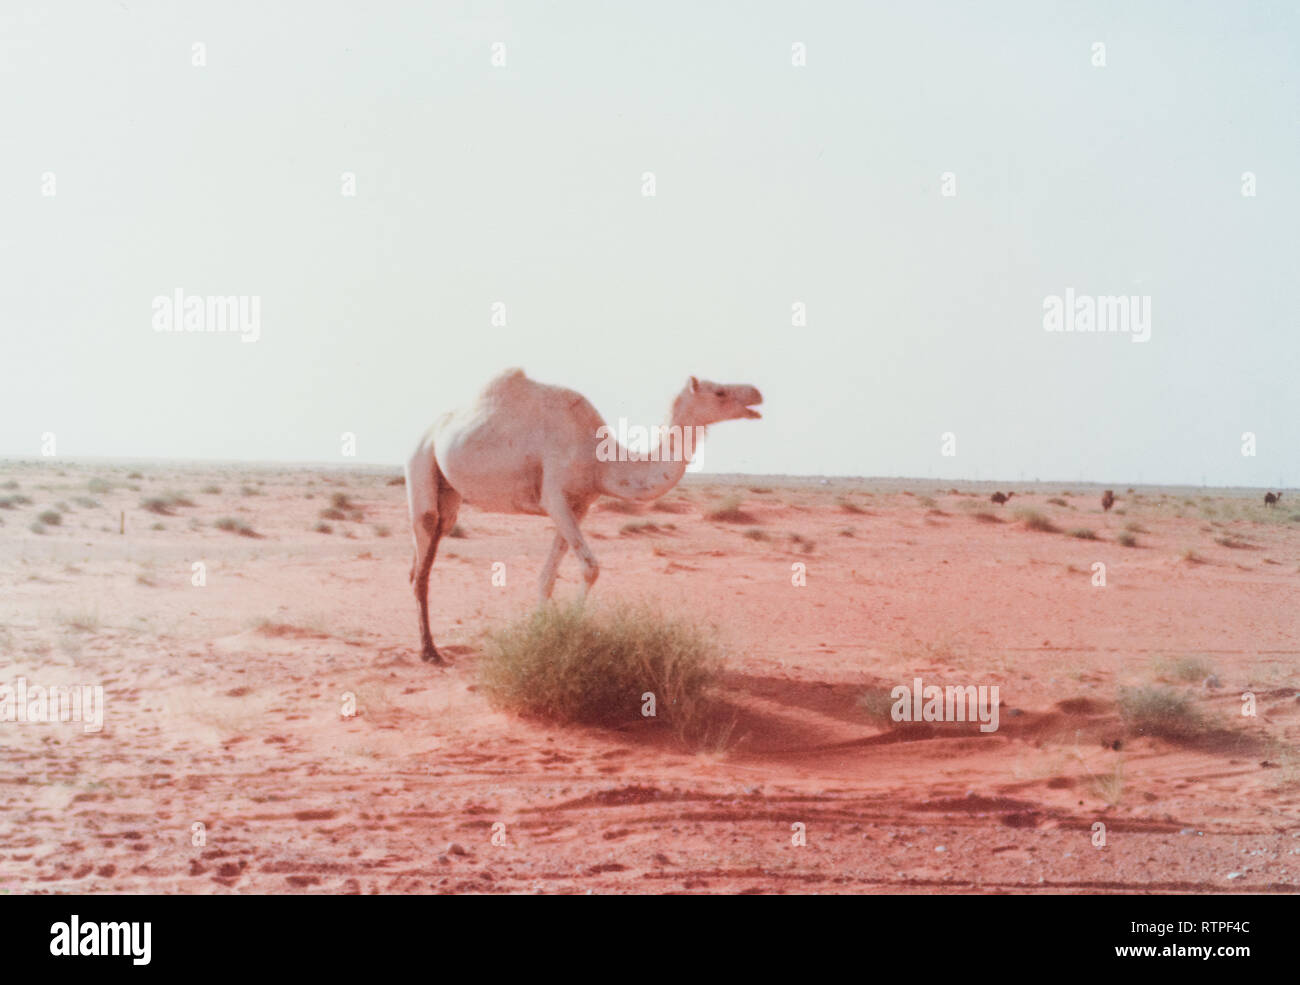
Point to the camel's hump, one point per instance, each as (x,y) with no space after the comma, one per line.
(505,381)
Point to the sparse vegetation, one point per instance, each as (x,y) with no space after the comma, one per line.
(323,528)
(1083,533)
(1235,543)
(82,622)
(1186,670)
(1160,711)
(1033,520)
(729,511)
(165,504)
(587,665)
(234,526)
(757,533)
(670,506)
(211,490)
(51,518)
(640,527)
(1127,539)
(625,506)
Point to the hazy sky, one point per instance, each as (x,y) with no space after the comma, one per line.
(775,183)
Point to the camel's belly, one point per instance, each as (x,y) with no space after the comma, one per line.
(497,491)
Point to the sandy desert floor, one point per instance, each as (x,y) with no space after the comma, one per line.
(224,701)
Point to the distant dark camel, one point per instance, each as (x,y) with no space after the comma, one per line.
(1001,498)
(1270,499)
(1108,499)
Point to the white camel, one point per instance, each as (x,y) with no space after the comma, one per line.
(526,447)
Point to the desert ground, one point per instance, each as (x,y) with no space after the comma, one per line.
(225,702)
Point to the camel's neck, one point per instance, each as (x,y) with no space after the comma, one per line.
(641,475)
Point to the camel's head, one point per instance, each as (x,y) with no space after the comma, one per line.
(702,402)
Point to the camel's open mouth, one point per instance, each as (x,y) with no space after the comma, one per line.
(750,412)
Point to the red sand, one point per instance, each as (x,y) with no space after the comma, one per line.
(224,702)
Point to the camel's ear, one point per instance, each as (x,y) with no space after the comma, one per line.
(694,384)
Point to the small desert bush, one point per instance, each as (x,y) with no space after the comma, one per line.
(135,475)
(1186,670)
(1057,501)
(1033,520)
(323,528)
(1191,557)
(670,506)
(878,703)
(164,504)
(86,503)
(1160,711)
(233,526)
(12,484)
(249,491)
(640,527)
(83,622)
(333,514)
(51,518)
(1083,533)
(340,501)
(1134,527)
(802,542)
(1127,539)
(459,532)
(848,506)
(625,506)
(592,665)
(383,530)
(755,533)
(211,490)
(729,511)
(1236,543)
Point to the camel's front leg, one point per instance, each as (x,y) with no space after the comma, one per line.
(559,547)
(556,505)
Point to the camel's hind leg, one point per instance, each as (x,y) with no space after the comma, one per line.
(433,506)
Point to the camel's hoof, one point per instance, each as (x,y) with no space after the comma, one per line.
(431,655)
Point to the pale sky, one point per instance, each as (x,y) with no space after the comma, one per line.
(775,183)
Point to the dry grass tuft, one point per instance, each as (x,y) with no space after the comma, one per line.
(595,666)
